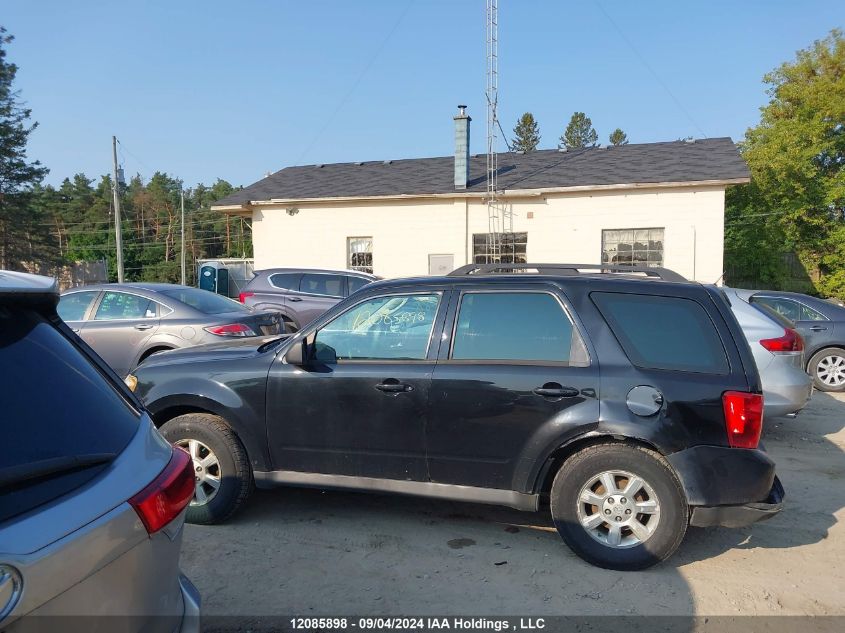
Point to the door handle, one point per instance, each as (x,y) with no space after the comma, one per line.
(818,328)
(391,385)
(294,299)
(75,330)
(144,326)
(555,390)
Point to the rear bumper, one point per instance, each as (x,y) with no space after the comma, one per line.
(722,476)
(786,389)
(740,515)
(191,598)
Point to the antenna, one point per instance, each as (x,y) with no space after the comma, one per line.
(499,216)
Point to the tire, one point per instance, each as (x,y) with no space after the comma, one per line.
(580,474)
(827,367)
(203,434)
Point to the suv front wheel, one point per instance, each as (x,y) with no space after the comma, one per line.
(619,506)
(223,479)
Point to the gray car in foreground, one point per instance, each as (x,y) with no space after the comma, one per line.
(92,498)
(301,295)
(778,352)
(127,323)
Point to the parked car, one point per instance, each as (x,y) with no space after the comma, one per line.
(127,323)
(822,325)
(778,351)
(629,399)
(301,295)
(92,498)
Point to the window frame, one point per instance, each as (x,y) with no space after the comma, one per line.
(88,315)
(800,303)
(159,306)
(349,253)
(431,349)
(489,259)
(568,313)
(662,261)
(317,294)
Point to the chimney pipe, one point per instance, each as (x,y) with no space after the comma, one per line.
(462,120)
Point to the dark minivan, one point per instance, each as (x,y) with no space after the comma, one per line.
(625,398)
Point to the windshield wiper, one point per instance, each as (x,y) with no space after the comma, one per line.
(27,474)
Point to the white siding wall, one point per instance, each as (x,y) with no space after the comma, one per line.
(564,227)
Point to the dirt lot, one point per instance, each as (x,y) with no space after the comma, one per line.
(308,552)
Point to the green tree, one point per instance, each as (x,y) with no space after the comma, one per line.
(526,134)
(24,236)
(618,137)
(579,133)
(796,155)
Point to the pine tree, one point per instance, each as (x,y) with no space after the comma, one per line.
(24,237)
(579,133)
(618,137)
(526,134)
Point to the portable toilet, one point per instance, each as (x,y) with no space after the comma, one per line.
(214,277)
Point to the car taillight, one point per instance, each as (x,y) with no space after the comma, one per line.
(242,296)
(168,494)
(743,418)
(791,341)
(232,329)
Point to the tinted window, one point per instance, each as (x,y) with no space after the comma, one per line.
(529,326)
(356,283)
(54,404)
(119,305)
(203,300)
(285,281)
(664,332)
(331,285)
(792,310)
(385,328)
(72,307)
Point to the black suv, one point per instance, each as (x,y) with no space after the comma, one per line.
(626,397)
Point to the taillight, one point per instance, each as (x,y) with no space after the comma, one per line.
(242,296)
(162,501)
(791,341)
(743,418)
(232,329)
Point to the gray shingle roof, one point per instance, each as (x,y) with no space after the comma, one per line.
(676,161)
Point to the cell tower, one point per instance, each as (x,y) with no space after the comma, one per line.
(499,216)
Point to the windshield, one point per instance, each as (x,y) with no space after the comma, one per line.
(204,301)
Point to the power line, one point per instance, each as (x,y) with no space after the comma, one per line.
(650,69)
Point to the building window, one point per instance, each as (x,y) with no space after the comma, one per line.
(510,248)
(638,247)
(359,254)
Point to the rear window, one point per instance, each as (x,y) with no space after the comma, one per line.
(664,332)
(329,285)
(204,301)
(55,404)
(285,281)
(73,306)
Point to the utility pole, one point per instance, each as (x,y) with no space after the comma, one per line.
(117,233)
(183,237)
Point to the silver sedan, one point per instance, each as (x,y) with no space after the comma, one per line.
(127,323)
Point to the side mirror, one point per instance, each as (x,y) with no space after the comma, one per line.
(296,354)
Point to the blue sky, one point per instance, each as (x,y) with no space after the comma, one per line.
(221,89)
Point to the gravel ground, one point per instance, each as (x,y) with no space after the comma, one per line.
(308,552)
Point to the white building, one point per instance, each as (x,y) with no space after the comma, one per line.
(656,203)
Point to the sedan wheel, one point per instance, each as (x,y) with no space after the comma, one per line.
(206,470)
(831,371)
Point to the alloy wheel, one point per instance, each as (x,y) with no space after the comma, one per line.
(206,470)
(831,370)
(618,509)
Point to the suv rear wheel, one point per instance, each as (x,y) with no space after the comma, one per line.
(221,468)
(619,506)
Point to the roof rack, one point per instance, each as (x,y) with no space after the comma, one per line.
(568,269)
